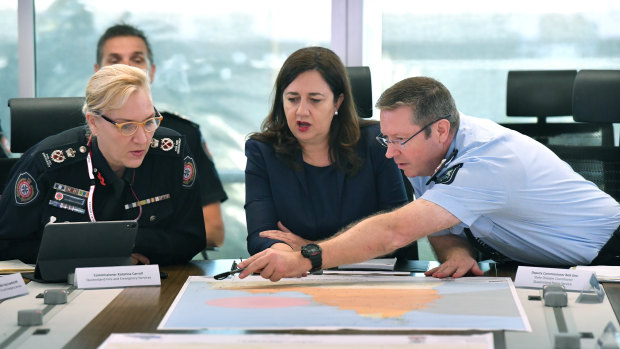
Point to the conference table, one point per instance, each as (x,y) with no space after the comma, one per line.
(141,309)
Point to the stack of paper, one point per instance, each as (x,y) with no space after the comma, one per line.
(378,264)
(604,273)
(15,266)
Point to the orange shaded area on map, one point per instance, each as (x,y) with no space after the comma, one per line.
(377,302)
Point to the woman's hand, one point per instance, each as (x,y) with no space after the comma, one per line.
(138,258)
(286,236)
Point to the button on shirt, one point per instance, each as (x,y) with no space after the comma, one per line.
(519,198)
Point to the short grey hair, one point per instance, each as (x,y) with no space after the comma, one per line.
(428,99)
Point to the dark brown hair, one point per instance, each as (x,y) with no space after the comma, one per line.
(122,30)
(344,132)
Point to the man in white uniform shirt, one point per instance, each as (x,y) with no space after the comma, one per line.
(480,188)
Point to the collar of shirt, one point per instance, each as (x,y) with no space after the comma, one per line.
(109,177)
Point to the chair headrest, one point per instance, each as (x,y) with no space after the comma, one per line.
(361,87)
(596,96)
(34,119)
(540,93)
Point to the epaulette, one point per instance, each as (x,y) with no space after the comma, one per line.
(167,142)
(62,149)
(62,155)
(178,117)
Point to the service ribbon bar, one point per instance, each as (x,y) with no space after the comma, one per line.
(147,201)
(67,206)
(72,190)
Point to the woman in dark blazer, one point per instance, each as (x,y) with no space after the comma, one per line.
(315,167)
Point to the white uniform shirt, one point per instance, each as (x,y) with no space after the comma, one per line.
(519,198)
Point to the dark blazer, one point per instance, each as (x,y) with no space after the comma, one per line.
(275,192)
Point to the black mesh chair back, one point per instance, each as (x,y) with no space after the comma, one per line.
(33,119)
(596,100)
(361,86)
(549,93)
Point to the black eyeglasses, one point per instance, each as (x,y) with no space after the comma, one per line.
(130,127)
(384,141)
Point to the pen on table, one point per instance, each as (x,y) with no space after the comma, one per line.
(226,274)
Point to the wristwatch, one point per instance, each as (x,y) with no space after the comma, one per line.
(313,253)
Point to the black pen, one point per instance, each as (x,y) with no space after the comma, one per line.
(226,274)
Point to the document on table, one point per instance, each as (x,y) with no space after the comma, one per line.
(377,264)
(604,273)
(418,341)
(15,266)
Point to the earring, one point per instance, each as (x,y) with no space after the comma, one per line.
(336,113)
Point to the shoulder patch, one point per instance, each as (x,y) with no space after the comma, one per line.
(449,175)
(189,172)
(26,189)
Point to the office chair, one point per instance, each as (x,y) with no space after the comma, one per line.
(549,93)
(595,96)
(33,119)
(595,100)
(361,88)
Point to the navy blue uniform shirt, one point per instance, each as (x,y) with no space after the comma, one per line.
(51,179)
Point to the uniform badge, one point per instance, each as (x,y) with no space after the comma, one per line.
(449,175)
(154,143)
(70,152)
(83,149)
(25,189)
(189,172)
(58,156)
(166,144)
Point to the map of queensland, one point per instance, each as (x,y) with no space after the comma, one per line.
(354,302)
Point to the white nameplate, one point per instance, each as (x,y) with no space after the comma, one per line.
(112,277)
(571,279)
(12,286)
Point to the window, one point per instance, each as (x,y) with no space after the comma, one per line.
(471,46)
(8,62)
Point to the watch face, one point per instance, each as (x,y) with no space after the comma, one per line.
(311,250)
(313,253)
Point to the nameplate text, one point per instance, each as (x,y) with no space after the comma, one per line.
(121,276)
(571,279)
(12,286)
